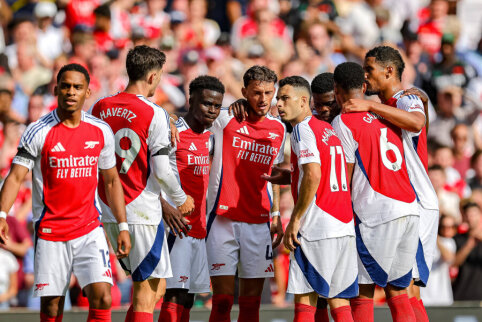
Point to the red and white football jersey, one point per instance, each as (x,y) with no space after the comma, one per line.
(330,213)
(242,153)
(381,188)
(190,161)
(415,145)
(65,163)
(141,130)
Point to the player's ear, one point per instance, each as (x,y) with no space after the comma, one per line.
(243,91)
(389,71)
(304,100)
(87,93)
(364,87)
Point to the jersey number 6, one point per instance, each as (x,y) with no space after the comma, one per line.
(128,150)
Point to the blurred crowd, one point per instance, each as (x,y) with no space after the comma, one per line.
(440,40)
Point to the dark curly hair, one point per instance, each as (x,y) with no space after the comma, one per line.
(388,55)
(323,83)
(143,59)
(349,75)
(206,82)
(259,73)
(75,68)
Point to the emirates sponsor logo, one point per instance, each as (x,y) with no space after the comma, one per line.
(197,159)
(72,162)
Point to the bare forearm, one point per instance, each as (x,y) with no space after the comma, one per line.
(115,198)
(409,121)
(276,197)
(10,188)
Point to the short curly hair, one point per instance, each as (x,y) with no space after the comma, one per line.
(259,73)
(75,68)
(206,82)
(388,55)
(323,83)
(349,76)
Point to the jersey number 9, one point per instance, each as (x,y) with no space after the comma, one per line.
(127,150)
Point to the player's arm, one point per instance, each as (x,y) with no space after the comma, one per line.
(162,171)
(276,226)
(309,185)
(423,97)
(8,194)
(174,219)
(279,176)
(412,122)
(115,198)
(349,172)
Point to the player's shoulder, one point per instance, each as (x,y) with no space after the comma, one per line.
(181,124)
(94,121)
(301,130)
(410,100)
(276,121)
(42,125)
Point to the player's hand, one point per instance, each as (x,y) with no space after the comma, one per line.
(239,109)
(354,105)
(276,228)
(278,176)
(174,132)
(3,231)
(187,207)
(123,244)
(291,235)
(178,225)
(417,92)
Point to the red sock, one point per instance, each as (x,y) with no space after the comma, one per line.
(362,309)
(321,315)
(142,316)
(424,310)
(98,315)
(185,315)
(342,314)
(47,318)
(304,313)
(418,309)
(221,310)
(129,314)
(170,312)
(249,308)
(401,309)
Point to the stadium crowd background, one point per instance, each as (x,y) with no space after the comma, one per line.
(440,40)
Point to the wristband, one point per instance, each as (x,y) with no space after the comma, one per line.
(274,214)
(123,226)
(3,214)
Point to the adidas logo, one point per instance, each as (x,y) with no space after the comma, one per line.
(192,147)
(269,269)
(243,130)
(58,148)
(107,273)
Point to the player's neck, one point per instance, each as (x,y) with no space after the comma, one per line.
(253,117)
(301,117)
(388,92)
(68,119)
(137,88)
(194,124)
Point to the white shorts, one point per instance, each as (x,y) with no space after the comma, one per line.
(149,256)
(239,245)
(86,256)
(326,266)
(426,245)
(189,264)
(386,252)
